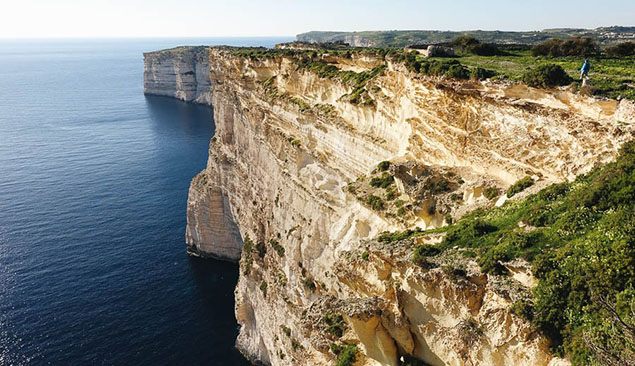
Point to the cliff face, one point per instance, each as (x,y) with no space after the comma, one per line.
(287,190)
(181,73)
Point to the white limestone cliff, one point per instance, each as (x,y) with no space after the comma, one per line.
(276,194)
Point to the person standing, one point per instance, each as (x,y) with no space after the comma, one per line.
(584,71)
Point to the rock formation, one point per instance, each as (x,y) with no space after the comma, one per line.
(181,73)
(288,185)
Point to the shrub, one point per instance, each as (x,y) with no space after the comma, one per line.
(382,182)
(479,73)
(520,186)
(546,76)
(383,166)
(583,257)
(437,186)
(423,251)
(347,355)
(277,247)
(263,288)
(464,42)
(387,237)
(523,309)
(376,203)
(484,49)
(365,256)
(335,324)
(247,257)
(575,46)
(621,49)
(262,250)
(468,231)
(457,72)
(491,192)
(309,284)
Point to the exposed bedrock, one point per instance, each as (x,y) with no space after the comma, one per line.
(181,73)
(286,190)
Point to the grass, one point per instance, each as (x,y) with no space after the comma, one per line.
(582,251)
(610,76)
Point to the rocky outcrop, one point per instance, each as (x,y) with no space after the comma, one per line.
(181,73)
(278,192)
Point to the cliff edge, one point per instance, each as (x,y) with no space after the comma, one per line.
(315,155)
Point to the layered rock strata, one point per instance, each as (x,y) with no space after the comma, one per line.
(181,73)
(276,194)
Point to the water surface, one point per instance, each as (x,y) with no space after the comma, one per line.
(93,190)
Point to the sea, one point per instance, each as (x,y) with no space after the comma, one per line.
(93,191)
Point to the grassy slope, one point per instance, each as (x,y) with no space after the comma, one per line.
(610,76)
(580,239)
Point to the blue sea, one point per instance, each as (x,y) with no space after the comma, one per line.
(93,190)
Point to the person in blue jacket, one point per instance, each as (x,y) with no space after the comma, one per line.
(584,71)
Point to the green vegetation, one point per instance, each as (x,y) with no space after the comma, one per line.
(474,46)
(404,38)
(434,66)
(263,288)
(365,255)
(286,330)
(384,181)
(247,256)
(277,247)
(491,192)
(335,324)
(308,283)
(376,203)
(611,76)
(358,80)
(546,76)
(346,355)
(262,250)
(519,186)
(383,166)
(621,50)
(423,251)
(582,251)
(575,46)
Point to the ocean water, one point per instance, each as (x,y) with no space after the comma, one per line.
(93,189)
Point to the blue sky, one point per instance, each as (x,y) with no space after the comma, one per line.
(222,18)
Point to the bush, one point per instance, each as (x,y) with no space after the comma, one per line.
(263,288)
(465,42)
(457,72)
(277,247)
(376,203)
(583,257)
(262,250)
(546,76)
(575,46)
(382,182)
(481,74)
(335,324)
(347,355)
(519,186)
(387,237)
(424,251)
(484,49)
(383,166)
(621,50)
(491,192)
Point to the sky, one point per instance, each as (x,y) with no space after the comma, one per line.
(225,18)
